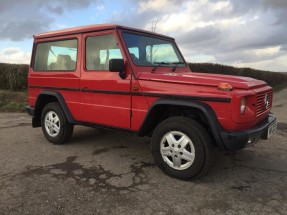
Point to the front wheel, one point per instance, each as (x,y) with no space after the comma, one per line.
(55,125)
(182,148)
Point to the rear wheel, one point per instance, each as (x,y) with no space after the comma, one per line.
(55,126)
(182,148)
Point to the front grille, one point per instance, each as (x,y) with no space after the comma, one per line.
(264,102)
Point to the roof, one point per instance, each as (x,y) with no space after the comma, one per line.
(91,28)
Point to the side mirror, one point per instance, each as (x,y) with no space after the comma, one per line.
(117,65)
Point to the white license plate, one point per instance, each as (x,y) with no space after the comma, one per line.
(271,130)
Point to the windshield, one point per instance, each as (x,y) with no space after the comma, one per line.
(151,51)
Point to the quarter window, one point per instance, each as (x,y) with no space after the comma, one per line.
(56,55)
(101,49)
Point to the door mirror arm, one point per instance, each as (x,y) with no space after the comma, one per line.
(123,74)
(118,65)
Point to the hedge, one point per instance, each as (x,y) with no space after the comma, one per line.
(13,76)
(274,79)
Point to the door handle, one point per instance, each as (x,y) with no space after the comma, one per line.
(85,89)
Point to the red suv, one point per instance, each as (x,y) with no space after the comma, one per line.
(138,81)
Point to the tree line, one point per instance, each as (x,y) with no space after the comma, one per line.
(14,76)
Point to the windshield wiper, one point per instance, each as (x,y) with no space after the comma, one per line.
(158,64)
(176,65)
(167,63)
(161,63)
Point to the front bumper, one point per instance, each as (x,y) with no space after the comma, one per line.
(234,140)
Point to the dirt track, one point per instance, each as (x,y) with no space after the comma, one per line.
(100,172)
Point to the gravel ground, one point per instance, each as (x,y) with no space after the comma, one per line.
(101,172)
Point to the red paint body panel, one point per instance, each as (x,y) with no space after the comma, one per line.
(128,106)
(58,79)
(101,108)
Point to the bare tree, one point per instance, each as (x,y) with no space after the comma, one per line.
(153,29)
(154,25)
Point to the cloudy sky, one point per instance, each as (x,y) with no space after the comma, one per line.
(243,33)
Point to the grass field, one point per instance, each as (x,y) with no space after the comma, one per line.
(12,101)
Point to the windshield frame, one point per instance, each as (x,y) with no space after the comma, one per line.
(151,35)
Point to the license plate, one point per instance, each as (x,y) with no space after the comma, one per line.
(271,130)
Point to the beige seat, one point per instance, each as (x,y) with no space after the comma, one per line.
(64,62)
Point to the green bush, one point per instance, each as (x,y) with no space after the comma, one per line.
(13,76)
(12,101)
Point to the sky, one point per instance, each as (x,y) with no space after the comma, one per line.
(241,33)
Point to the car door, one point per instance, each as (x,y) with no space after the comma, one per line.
(105,97)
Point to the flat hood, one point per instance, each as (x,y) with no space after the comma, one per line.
(204,79)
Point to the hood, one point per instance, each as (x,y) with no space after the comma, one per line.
(204,79)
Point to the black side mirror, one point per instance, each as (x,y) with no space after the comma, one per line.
(117,65)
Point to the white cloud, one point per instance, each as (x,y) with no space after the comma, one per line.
(191,15)
(101,7)
(277,64)
(227,31)
(270,51)
(158,5)
(243,33)
(14,55)
(222,5)
(21,19)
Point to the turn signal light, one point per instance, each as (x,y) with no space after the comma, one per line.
(225,87)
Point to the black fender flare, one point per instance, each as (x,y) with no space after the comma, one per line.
(208,112)
(61,101)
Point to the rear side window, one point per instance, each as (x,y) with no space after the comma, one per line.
(101,49)
(56,55)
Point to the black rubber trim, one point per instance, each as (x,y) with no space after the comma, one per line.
(55,88)
(170,39)
(126,55)
(29,110)
(33,55)
(228,140)
(111,92)
(95,125)
(145,33)
(61,101)
(59,40)
(234,140)
(213,99)
(204,108)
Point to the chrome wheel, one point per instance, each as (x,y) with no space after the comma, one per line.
(52,123)
(177,150)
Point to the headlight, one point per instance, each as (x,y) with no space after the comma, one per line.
(242,106)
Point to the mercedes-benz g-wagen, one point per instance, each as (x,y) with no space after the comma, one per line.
(138,81)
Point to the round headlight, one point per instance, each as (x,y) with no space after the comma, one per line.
(242,106)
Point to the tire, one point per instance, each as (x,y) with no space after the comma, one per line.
(55,125)
(182,148)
